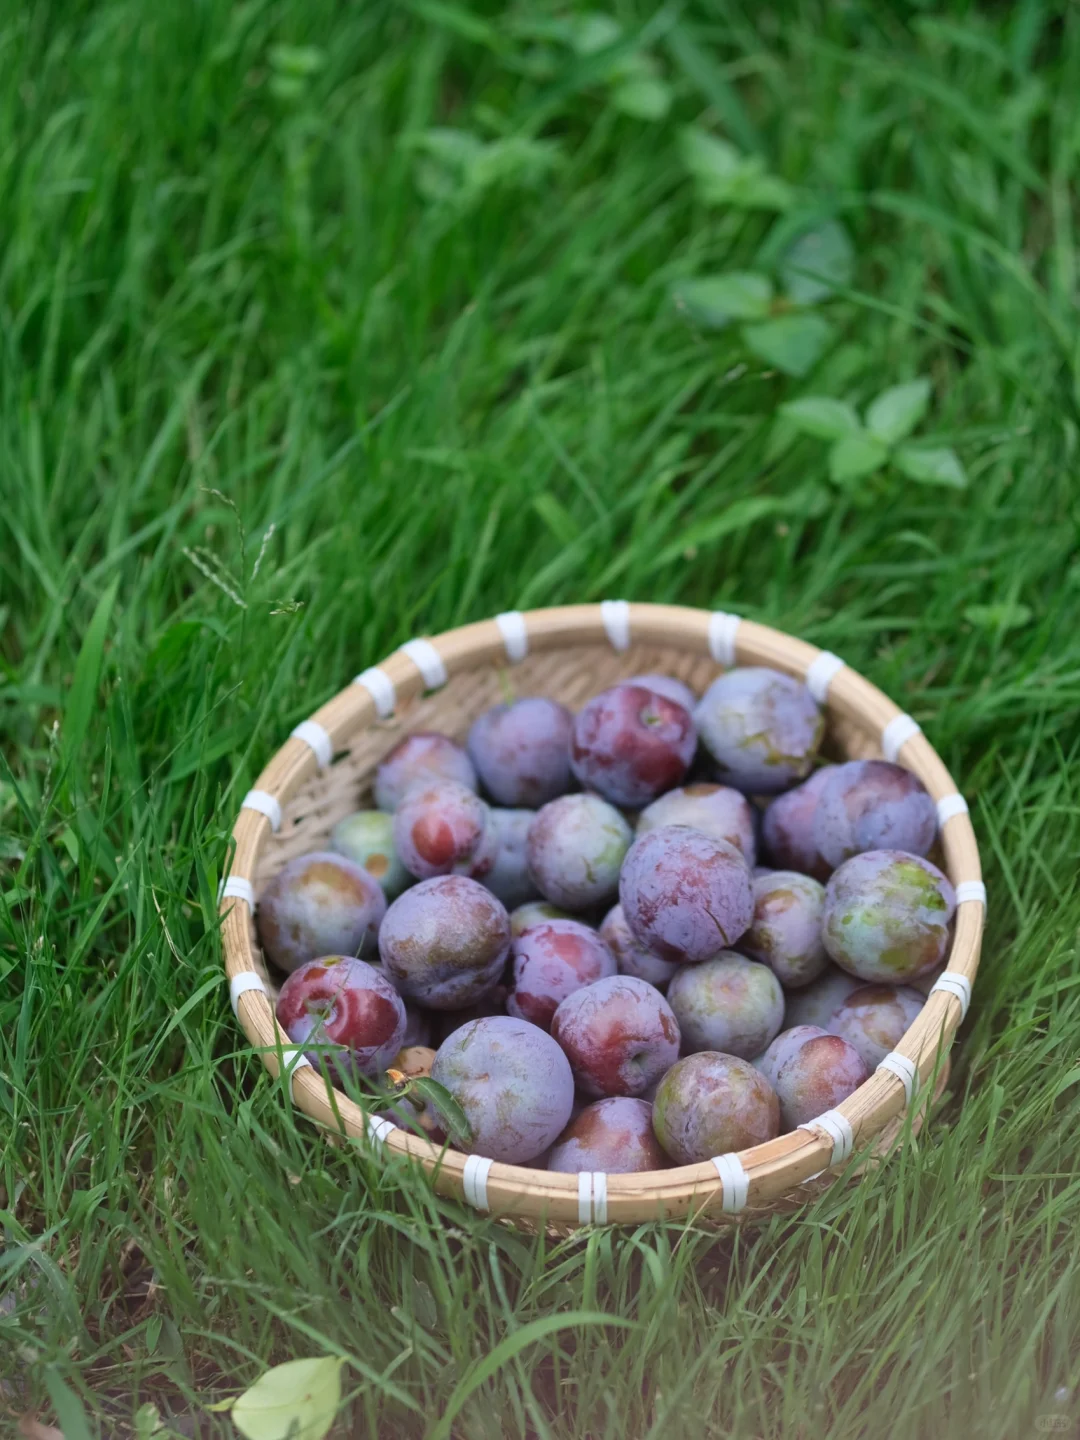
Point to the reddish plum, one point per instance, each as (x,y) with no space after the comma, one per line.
(576,846)
(513,1083)
(716,810)
(522,751)
(787,830)
(619,1035)
(685,896)
(887,916)
(552,961)
(668,686)
(728,1003)
(786,932)
(367,839)
(444,942)
(761,727)
(874,1019)
(613,1135)
(710,1104)
(811,1073)
(631,956)
(872,805)
(445,829)
(348,1009)
(319,904)
(421,759)
(631,744)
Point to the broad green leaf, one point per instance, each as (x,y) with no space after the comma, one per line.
(931,467)
(82,697)
(68,1407)
(714,300)
(793,343)
(897,411)
(294,1401)
(595,32)
(445,1106)
(822,417)
(755,189)
(854,456)
(817,263)
(1004,615)
(645,97)
(725,177)
(707,157)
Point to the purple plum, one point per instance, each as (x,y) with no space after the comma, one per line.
(783,1047)
(367,839)
(631,956)
(522,751)
(509,877)
(319,904)
(710,1104)
(874,1019)
(348,1009)
(417,1027)
(631,744)
(444,942)
(729,1004)
(716,810)
(535,912)
(619,1035)
(815,1004)
(613,1135)
(887,916)
(872,805)
(552,961)
(811,1073)
(445,829)
(786,932)
(576,846)
(668,686)
(513,1083)
(761,727)
(421,759)
(684,895)
(787,830)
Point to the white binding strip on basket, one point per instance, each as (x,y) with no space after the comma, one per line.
(428,661)
(971,890)
(951,982)
(896,734)
(266,804)
(317,740)
(293,1059)
(722,631)
(378,1127)
(241,984)
(592,1197)
(949,806)
(839,1130)
(904,1069)
(821,674)
(381,689)
(515,636)
(735,1180)
(615,615)
(235,887)
(474,1180)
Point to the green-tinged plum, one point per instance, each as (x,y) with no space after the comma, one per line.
(887,916)
(445,829)
(811,1073)
(619,1035)
(319,904)
(728,1003)
(613,1135)
(444,942)
(715,810)
(421,759)
(762,728)
(367,839)
(872,805)
(786,931)
(874,1019)
(513,1083)
(576,846)
(522,751)
(631,744)
(684,895)
(346,1011)
(710,1104)
(550,962)
(631,956)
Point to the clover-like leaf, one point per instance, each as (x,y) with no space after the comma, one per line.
(294,1401)
(793,343)
(856,455)
(726,177)
(931,467)
(714,300)
(594,32)
(822,416)
(645,97)
(818,262)
(1002,615)
(896,412)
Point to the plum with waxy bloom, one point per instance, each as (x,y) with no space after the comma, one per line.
(685,895)
(319,904)
(619,1035)
(444,942)
(631,744)
(613,1135)
(421,759)
(348,1010)
(711,1104)
(552,961)
(522,751)
(762,728)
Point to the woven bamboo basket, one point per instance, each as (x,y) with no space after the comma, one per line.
(323,773)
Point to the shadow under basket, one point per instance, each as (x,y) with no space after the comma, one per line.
(324,772)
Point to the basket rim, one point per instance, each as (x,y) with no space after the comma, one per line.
(756,1177)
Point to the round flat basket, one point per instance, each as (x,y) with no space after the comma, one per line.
(323,773)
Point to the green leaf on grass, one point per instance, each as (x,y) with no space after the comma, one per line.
(294,1401)
(445,1106)
(725,177)
(793,343)
(645,97)
(714,300)
(856,455)
(595,32)
(68,1407)
(931,467)
(818,262)
(1003,615)
(897,411)
(822,417)
(82,697)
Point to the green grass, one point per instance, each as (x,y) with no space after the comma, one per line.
(267,410)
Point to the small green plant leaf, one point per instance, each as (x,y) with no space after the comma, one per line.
(896,412)
(68,1407)
(818,262)
(714,300)
(445,1106)
(822,417)
(854,456)
(297,60)
(1002,615)
(594,32)
(645,97)
(725,177)
(931,467)
(294,1401)
(793,343)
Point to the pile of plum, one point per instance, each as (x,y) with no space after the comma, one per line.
(590,961)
